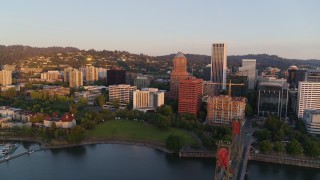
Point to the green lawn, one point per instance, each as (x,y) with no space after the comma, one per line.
(133,130)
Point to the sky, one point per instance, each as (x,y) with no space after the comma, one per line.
(287,28)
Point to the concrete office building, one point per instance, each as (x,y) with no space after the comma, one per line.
(219,64)
(121,92)
(311,119)
(273,99)
(147,99)
(141,82)
(308,97)
(249,66)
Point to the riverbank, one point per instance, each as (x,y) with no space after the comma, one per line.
(91,141)
(185,153)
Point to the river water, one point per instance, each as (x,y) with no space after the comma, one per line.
(112,161)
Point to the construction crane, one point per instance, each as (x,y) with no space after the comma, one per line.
(230,84)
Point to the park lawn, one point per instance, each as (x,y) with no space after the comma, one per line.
(134,130)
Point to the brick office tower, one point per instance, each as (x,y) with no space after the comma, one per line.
(190,95)
(178,73)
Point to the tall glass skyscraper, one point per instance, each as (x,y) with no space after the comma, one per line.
(219,64)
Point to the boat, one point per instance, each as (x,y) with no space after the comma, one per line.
(8,149)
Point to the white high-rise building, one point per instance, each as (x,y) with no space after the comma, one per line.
(50,75)
(219,64)
(121,92)
(249,66)
(75,78)
(148,98)
(5,78)
(102,73)
(91,74)
(308,97)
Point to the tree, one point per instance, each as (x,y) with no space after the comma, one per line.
(10,93)
(164,110)
(278,135)
(39,117)
(101,100)
(52,129)
(162,121)
(265,146)
(312,148)
(115,103)
(263,135)
(294,147)
(76,134)
(249,110)
(278,147)
(175,143)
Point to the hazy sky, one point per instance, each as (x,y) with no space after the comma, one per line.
(288,28)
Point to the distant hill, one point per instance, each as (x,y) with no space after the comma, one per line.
(136,62)
(263,60)
(12,54)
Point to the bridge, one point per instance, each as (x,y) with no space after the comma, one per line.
(10,157)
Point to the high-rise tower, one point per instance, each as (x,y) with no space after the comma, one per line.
(219,64)
(178,73)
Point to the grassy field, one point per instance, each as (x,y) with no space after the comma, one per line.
(133,130)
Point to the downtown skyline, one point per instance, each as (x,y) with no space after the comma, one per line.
(289,29)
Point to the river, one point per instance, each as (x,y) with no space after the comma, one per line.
(112,161)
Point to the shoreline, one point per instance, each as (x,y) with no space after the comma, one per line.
(64,144)
(152,145)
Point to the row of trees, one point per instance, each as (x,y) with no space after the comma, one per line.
(297,141)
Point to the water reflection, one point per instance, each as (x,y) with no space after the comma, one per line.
(74,151)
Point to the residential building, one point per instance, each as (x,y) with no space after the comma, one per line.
(311,119)
(66,121)
(273,99)
(51,76)
(147,99)
(249,66)
(178,73)
(121,92)
(90,94)
(308,97)
(92,75)
(102,73)
(53,91)
(5,78)
(75,78)
(8,112)
(190,95)
(141,82)
(30,70)
(219,64)
(225,109)
(9,67)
